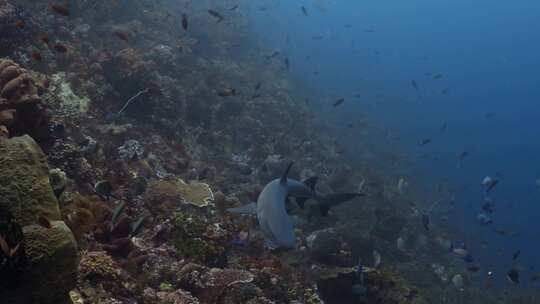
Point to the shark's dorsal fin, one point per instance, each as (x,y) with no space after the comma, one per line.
(283,179)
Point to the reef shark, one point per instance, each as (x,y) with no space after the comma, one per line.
(270,208)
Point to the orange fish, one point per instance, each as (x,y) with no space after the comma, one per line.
(121,35)
(44,38)
(19,24)
(36,56)
(59,9)
(60,48)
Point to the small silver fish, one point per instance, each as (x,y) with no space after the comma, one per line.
(376,259)
(400,244)
(457,280)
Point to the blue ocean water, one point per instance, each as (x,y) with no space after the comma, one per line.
(475,65)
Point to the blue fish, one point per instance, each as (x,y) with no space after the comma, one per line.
(360,271)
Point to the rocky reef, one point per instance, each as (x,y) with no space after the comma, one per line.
(150,135)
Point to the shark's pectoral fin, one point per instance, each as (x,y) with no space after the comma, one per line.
(334,199)
(250,208)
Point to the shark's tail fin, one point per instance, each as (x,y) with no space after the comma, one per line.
(250,208)
(330,200)
(310,182)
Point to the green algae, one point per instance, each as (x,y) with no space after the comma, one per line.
(166,286)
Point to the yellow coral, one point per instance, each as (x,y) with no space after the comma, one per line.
(198,194)
(76,297)
(166,193)
(311,297)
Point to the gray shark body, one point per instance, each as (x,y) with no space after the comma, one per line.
(274,221)
(276,225)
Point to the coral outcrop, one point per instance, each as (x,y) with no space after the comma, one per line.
(24,177)
(48,244)
(21,110)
